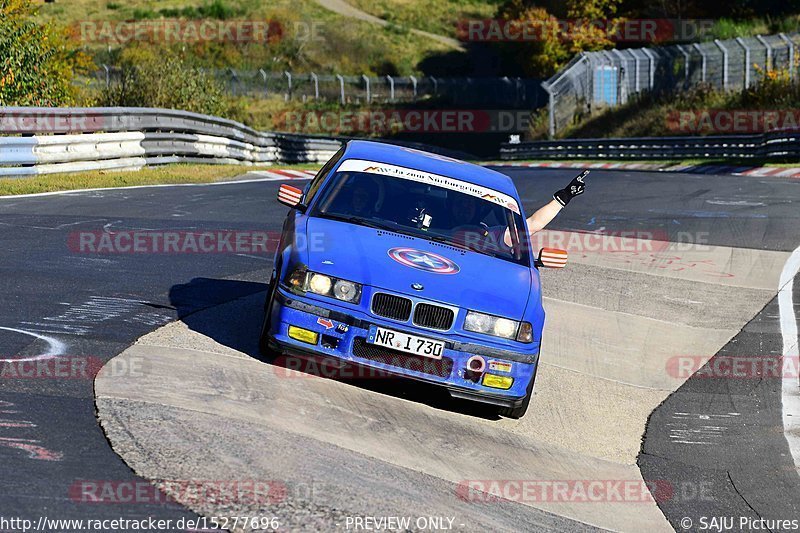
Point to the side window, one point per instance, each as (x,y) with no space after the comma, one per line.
(320,177)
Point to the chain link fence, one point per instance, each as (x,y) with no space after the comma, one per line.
(516,93)
(593,81)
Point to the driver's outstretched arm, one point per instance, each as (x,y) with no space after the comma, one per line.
(544,215)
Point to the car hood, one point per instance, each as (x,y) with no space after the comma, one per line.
(362,254)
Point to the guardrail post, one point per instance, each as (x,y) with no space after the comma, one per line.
(341,88)
(551,110)
(264,77)
(791,53)
(234,81)
(703,62)
(289,81)
(366,86)
(622,77)
(635,70)
(652,59)
(687,58)
(724,63)
(316,85)
(769,51)
(746,61)
(413,85)
(391,88)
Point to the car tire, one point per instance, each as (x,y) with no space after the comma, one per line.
(518,412)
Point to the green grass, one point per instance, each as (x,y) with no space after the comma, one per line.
(730,29)
(100,179)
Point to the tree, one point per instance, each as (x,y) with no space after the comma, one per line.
(586,25)
(37,62)
(153,76)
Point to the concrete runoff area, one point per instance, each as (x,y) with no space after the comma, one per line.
(96,306)
(604,370)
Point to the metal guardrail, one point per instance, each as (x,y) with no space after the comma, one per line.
(770,145)
(48,140)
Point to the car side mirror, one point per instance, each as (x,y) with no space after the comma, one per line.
(291,196)
(551,258)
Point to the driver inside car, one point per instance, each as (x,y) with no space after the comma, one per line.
(363,198)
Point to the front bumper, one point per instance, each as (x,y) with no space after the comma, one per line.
(342,333)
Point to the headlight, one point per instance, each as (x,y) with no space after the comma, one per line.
(498,326)
(504,327)
(301,280)
(320,284)
(346,290)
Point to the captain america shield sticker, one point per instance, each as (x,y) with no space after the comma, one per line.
(427,261)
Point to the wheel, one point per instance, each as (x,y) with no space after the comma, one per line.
(519,412)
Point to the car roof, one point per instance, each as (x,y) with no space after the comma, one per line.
(427,162)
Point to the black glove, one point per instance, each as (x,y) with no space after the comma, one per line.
(575,188)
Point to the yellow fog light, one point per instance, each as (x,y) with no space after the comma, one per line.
(497,382)
(303,335)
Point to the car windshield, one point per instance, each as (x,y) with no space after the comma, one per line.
(426,211)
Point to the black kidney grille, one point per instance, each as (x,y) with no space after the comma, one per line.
(391,306)
(436,367)
(433,316)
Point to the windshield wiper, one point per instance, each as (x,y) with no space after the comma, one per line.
(358,220)
(450,242)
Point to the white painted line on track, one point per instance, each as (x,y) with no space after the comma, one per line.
(55,346)
(791,385)
(155,186)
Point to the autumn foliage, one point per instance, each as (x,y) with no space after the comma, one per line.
(37,63)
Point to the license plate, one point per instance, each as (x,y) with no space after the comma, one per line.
(404,342)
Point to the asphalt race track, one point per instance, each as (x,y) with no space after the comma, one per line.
(192,401)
